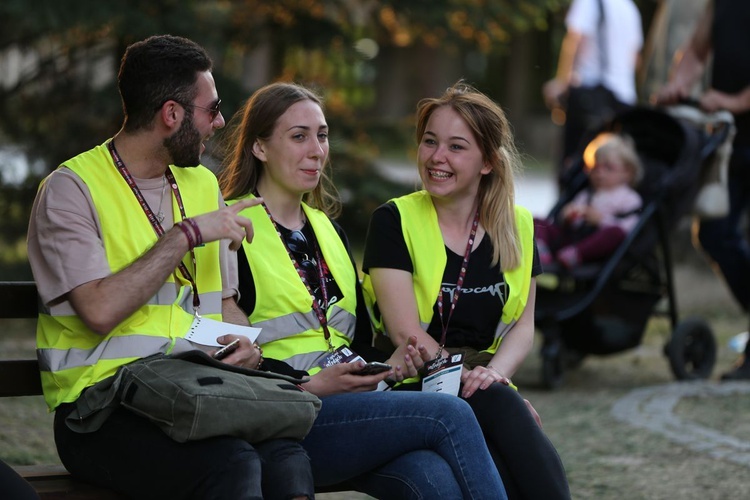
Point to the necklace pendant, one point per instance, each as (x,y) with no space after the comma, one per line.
(160,217)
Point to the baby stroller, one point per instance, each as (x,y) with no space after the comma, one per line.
(603,308)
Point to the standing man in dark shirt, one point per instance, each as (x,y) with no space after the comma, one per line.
(723,32)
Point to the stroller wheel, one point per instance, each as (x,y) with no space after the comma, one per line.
(691,350)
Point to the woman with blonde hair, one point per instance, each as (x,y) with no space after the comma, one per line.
(453,265)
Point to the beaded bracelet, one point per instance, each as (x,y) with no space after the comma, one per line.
(198,235)
(188,235)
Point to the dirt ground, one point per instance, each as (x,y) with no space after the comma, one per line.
(608,458)
(615,442)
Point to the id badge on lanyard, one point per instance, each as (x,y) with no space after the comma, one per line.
(341,355)
(443,375)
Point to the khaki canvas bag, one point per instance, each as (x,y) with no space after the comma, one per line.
(192,396)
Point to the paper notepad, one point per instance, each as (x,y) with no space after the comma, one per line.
(205,331)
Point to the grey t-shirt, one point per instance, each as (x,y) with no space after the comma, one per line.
(65,245)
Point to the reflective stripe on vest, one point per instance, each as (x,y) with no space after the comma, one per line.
(421,231)
(283,307)
(167,295)
(72,356)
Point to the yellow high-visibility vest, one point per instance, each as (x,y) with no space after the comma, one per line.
(71,356)
(419,225)
(283,309)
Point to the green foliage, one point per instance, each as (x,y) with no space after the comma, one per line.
(63,100)
(483,24)
(15,209)
(58,95)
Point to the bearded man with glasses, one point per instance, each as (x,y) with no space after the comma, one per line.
(119,282)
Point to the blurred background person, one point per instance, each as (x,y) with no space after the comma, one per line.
(596,69)
(722,34)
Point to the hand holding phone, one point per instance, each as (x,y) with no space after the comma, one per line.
(373,368)
(227,349)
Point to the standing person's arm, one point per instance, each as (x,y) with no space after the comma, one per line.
(579,23)
(715,100)
(554,89)
(690,62)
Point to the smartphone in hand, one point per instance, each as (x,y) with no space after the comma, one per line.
(227,349)
(373,368)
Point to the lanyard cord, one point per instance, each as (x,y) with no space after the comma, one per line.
(320,311)
(158,229)
(459,285)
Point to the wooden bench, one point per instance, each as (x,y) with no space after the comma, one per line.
(20,377)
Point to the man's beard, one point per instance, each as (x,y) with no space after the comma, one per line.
(184,145)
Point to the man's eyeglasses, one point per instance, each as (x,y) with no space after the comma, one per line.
(213,111)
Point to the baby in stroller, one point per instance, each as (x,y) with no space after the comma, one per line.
(592,225)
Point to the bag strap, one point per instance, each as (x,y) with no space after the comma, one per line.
(202,358)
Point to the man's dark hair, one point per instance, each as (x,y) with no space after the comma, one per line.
(157,69)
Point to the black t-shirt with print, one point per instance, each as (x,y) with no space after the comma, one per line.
(483,294)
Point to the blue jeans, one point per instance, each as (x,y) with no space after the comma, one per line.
(723,239)
(402,445)
(523,455)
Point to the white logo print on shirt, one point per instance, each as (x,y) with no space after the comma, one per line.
(499,289)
